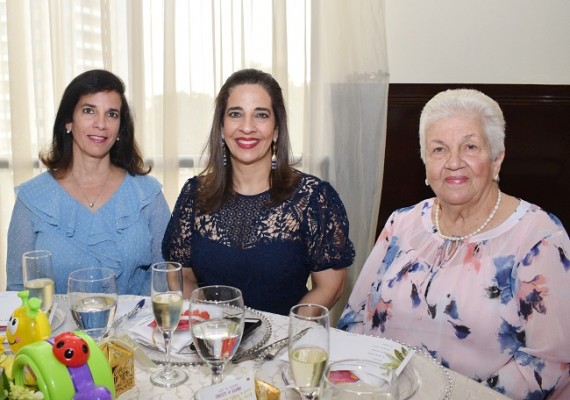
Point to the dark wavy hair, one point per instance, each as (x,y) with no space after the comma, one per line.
(216,184)
(125,153)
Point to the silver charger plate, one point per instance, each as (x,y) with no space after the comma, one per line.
(188,357)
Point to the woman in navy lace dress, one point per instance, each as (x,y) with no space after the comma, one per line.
(250,220)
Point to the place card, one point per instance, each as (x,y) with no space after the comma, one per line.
(383,351)
(236,389)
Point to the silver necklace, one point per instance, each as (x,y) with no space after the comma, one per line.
(461,238)
(91,203)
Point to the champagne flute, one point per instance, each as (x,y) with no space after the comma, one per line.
(217,317)
(93,295)
(38,276)
(167,300)
(309,336)
(359,380)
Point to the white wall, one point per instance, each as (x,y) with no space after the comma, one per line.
(478,41)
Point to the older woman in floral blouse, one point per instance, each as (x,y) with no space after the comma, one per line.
(478,278)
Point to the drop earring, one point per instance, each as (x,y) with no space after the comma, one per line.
(274,155)
(426,182)
(225,160)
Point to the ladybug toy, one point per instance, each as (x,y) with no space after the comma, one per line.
(69,366)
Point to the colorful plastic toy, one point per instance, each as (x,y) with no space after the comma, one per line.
(27,324)
(70,366)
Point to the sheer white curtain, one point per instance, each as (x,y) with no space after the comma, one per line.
(345,120)
(328,55)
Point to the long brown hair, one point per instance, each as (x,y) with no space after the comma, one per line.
(125,153)
(216,184)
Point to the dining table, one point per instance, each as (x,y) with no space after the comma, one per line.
(431,380)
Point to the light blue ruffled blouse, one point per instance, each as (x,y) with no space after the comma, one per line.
(125,234)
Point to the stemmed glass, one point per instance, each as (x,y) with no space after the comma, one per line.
(37,271)
(309,336)
(166,293)
(93,295)
(217,317)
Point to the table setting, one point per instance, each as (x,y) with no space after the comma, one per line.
(150,342)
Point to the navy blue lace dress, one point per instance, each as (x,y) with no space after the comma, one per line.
(267,252)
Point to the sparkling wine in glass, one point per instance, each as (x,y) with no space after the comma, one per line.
(167,300)
(93,295)
(37,271)
(309,328)
(216,318)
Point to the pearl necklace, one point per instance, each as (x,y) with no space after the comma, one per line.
(91,203)
(461,238)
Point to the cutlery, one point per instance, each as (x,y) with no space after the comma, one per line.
(272,353)
(270,348)
(131,314)
(269,352)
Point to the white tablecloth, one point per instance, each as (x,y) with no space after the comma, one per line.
(435,381)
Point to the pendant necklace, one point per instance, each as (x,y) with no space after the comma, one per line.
(461,238)
(89,202)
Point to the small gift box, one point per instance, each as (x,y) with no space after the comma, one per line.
(122,361)
(265,391)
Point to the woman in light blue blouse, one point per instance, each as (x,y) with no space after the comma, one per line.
(96,205)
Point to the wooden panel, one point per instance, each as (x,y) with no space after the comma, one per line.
(537,161)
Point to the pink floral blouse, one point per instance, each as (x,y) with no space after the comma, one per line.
(495,307)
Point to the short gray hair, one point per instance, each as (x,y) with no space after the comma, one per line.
(465,102)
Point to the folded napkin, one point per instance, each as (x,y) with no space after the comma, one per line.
(142,329)
(152,338)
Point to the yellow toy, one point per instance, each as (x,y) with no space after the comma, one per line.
(27,324)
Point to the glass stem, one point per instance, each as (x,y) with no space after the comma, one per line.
(310,394)
(167,343)
(217,373)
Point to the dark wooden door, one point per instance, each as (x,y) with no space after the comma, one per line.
(537,161)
